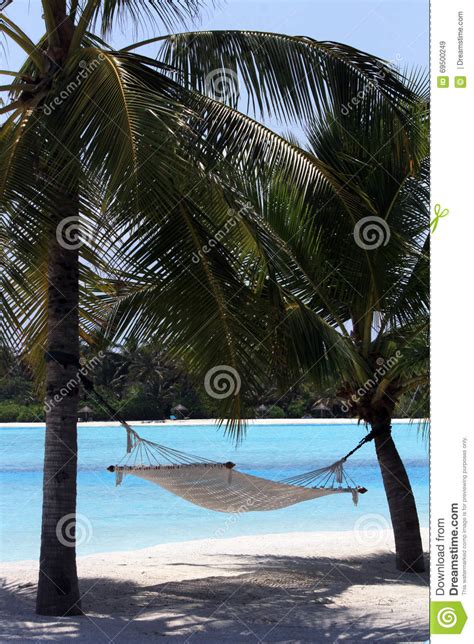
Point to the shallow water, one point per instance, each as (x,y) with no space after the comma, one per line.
(139,514)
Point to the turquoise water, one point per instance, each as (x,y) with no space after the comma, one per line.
(139,514)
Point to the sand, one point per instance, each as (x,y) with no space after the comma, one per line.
(297,587)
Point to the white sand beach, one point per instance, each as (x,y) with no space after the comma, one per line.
(297,587)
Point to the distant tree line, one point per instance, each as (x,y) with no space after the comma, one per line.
(142,382)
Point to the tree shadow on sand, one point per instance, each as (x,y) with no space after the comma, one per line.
(268,599)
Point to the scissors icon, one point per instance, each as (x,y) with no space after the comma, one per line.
(438,215)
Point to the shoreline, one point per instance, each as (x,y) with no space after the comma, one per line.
(275,587)
(214,421)
(335,535)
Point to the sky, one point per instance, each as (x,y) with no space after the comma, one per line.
(394,30)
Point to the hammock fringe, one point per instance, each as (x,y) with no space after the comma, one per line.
(218,487)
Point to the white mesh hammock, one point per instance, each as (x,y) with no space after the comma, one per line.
(217,486)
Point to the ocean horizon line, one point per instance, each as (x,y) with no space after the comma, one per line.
(214,421)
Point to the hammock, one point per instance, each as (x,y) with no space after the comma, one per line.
(217,486)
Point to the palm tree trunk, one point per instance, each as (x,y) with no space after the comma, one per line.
(58,588)
(401,502)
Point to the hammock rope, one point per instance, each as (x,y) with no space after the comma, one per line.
(217,486)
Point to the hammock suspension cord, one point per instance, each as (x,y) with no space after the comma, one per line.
(217,486)
(325,476)
(214,485)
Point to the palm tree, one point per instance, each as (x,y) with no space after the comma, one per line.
(351,281)
(149,365)
(102,150)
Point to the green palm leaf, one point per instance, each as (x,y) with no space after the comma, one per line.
(286,76)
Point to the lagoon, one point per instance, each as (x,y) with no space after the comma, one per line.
(138,514)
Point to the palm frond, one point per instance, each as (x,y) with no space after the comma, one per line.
(284,76)
(143,13)
(192,295)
